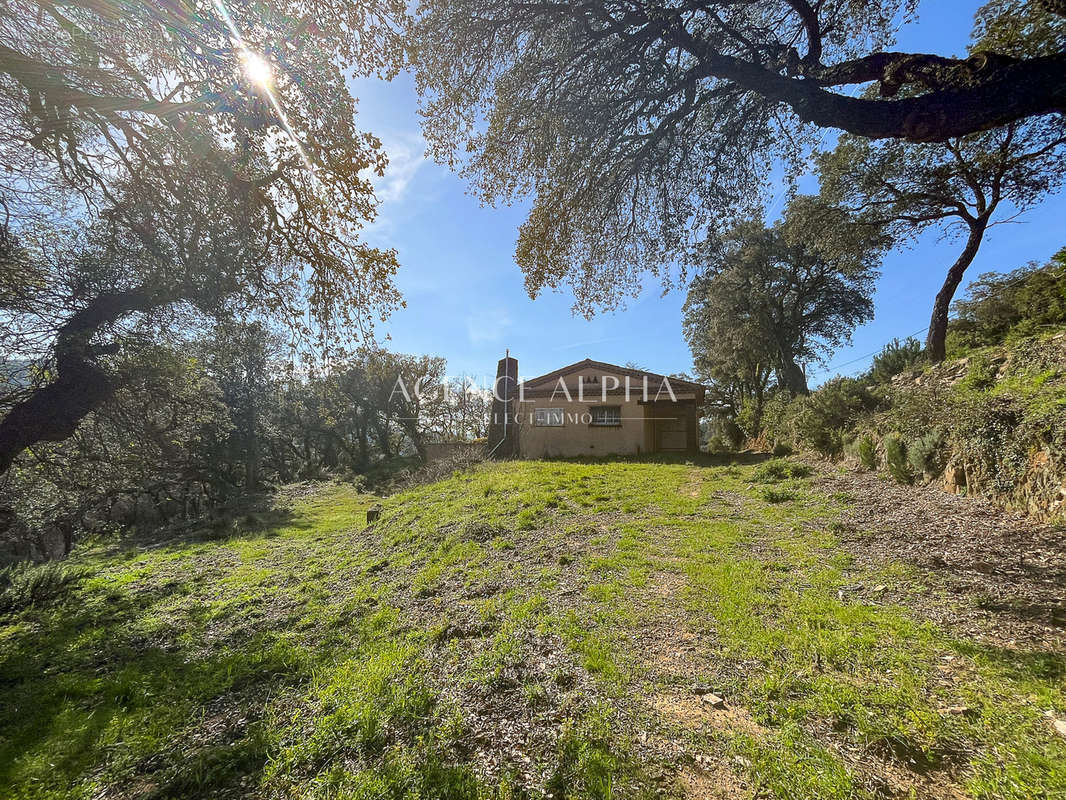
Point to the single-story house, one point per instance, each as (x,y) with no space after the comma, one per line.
(592,408)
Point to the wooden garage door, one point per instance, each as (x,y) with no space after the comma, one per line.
(673,434)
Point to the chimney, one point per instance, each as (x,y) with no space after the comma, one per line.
(503,425)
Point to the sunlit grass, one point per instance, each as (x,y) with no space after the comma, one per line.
(312,657)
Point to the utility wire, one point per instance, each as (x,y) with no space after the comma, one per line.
(831,367)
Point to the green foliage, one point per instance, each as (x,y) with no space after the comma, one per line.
(868,452)
(896,459)
(1010,306)
(698,95)
(777,417)
(925,454)
(749,416)
(779,470)
(782,449)
(24,585)
(981,373)
(820,419)
(772,297)
(774,494)
(894,359)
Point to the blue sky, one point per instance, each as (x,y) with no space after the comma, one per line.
(465,296)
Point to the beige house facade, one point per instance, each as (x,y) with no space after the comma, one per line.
(592,408)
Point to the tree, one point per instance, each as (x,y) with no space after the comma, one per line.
(729,350)
(895,357)
(776,297)
(1022,302)
(962,183)
(198,161)
(638,126)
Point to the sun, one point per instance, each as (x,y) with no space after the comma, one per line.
(256,68)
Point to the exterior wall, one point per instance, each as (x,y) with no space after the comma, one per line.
(637,434)
(577,437)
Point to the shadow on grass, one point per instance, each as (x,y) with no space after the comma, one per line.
(138,676)
(1046,666)
(742,459)
(92,682)
(257,518)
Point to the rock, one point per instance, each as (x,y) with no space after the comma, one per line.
(1060,727)
(879,588)
(122,510)
(373,513)
(145,509)
(713,700)
(54,543)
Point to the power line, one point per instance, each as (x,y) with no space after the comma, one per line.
(831,367)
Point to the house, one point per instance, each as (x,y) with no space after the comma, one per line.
(592,408)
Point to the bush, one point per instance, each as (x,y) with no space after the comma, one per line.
(924,454)
(749,418)
(25,585)
(717,444)
(782,449)
(772,494)
(779,470)
(896,460)
(822,418)
(981,375)
(894,358)
(868,453)
(777,417)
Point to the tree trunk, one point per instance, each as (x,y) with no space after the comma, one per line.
(790,374)
(938,325)
(52,412)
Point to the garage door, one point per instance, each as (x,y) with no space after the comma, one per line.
(673,434)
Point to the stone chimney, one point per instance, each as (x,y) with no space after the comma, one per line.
(503,424)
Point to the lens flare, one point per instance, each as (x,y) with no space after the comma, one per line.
(256,68)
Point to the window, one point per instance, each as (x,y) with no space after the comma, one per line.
(548,417)
(606,415)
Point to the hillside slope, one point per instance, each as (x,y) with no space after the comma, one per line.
(537,628)
(991,424)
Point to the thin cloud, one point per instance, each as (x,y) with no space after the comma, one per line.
(487,326)
(406,152)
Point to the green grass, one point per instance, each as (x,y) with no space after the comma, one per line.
(309,656)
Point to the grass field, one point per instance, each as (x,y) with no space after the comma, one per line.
(529,629)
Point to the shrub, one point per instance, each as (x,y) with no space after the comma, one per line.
(717,444)
(777,417)
(924,454)
(868,452)
(981,375)
(25,585)
(896,459)
(782,449)
(894,358)
(772,494)
(822,417)
(779,470)
(749,417)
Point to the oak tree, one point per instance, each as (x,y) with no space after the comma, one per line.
(207,158)
(777,297)
(637,127)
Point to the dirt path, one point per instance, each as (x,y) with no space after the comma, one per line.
(1007,572)
(982,573)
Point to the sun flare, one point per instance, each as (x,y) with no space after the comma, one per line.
(256,68)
